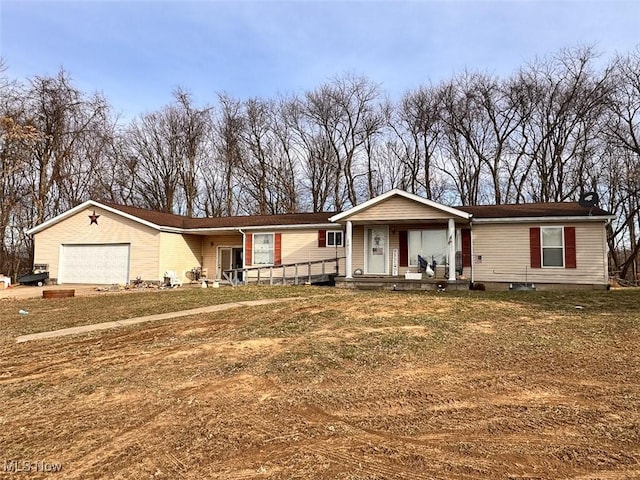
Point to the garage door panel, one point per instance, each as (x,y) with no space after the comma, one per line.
(101,264)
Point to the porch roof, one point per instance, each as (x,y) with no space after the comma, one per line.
(443,210)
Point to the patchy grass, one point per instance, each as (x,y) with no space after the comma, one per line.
(364,385)
(53,314)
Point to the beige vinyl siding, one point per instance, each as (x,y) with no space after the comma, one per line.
(179,253)
(300,246)
(506,256)
(111,228)
(398,208)
(210,246)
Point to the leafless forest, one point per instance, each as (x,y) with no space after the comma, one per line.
(557,127)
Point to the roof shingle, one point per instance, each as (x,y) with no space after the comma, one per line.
(179,221)
(563,209)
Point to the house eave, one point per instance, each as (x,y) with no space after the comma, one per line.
(215,230)
(82,206)
(292,227)
(172,229)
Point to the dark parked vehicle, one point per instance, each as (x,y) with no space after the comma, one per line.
(34,278)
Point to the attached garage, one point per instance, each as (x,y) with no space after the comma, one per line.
(100,264)
(98,243)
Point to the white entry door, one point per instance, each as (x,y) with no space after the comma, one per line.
(103,264)
(377,250)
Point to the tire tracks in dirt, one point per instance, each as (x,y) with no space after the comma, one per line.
(44,365)
(92,460)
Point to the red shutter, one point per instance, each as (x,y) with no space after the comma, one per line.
(466,248)
(277,249)
(248,249)
(404,248)
(322,238)
(534,247)
(569,247)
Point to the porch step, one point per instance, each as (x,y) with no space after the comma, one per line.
(400,283)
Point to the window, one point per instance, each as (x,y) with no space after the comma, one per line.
(334,239)
(263,248)
(429,244)
(552,243)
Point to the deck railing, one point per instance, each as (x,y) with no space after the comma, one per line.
(277,274)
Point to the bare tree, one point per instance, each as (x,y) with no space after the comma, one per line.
(51,142)
(17,138)
(494,117)
(67,121)
(459,160)
(314,155)
(347,112)
(623,132)
(418,128)
(287,161)
(558,127)
(569,98)
(220,173)
(258,165)
(152,141)
(194,132)
(166,150)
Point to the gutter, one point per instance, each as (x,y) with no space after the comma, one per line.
(294,227)
(205,230)
(601,218)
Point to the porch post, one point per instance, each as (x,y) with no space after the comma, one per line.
(348,263)
(451,239)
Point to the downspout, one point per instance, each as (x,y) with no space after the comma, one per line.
(244,245)
(471,250)
(202,255)
(244,258)
(349,251)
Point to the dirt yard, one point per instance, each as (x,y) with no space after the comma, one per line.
(28,291)
(337,385)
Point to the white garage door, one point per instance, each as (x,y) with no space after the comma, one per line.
(101,264)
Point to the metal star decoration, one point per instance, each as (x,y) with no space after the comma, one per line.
(94,218)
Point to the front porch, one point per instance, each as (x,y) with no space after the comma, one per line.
(391,239)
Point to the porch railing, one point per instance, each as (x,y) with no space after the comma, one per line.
(277,274)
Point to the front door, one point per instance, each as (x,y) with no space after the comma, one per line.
(230,257)
(377,250)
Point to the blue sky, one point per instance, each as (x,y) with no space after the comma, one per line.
(137,51)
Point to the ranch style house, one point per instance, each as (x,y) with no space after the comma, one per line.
(397,240)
